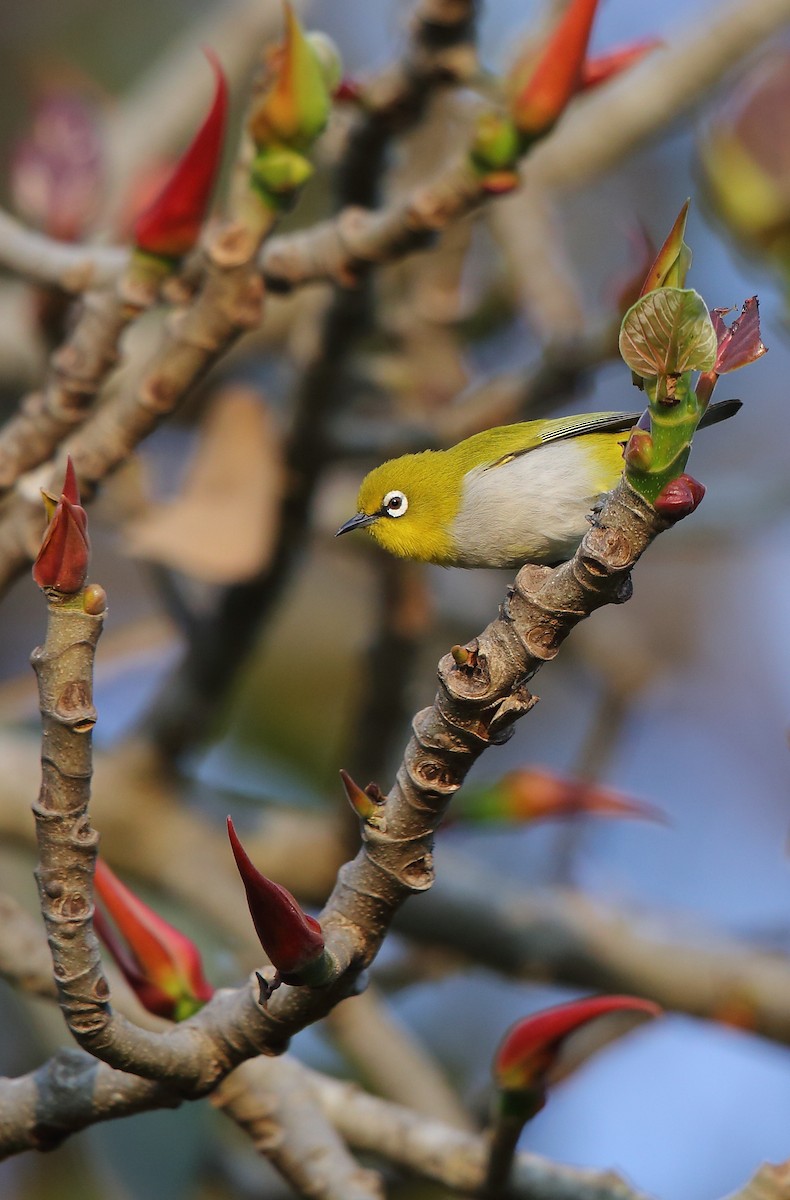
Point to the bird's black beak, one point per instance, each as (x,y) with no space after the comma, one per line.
(358,521)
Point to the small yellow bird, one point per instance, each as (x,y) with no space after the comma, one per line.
(510,495)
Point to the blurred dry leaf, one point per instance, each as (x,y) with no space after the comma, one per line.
(222,526)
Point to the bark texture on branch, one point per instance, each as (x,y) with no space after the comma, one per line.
(476,706)
(67,854)
(273,1104)
(77,371)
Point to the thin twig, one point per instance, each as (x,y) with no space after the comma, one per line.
(273,1102)
(77,371)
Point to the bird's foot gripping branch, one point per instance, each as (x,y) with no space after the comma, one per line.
(666,338)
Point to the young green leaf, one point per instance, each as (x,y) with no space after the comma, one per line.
(668,332)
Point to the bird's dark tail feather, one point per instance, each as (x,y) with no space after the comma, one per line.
(720,411)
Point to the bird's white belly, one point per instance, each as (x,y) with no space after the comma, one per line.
(531,509)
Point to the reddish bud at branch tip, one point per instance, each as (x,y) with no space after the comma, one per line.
(543,89)
(534,794)
(62,562)
(71,491)
(292,939)
(530,1048)
(161,965)
(362,803)
(171,224)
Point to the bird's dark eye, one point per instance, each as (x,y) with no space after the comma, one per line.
(395,504)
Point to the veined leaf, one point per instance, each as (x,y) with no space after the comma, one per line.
(668,332)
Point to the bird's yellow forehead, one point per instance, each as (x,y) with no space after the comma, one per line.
(432,499)
(387,478)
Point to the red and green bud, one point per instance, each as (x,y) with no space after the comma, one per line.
(171,225)
(596,71)
(679,498)
(62,562)
(540,89)
(293,111)
(671,264)
(161,965)
(292,940)
(532,794)
(530,1049)
(366,802)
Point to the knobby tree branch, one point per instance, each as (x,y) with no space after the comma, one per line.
(476,706)
(72,1091)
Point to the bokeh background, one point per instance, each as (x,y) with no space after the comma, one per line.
(682,695)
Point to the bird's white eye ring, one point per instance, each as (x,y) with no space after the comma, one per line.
(395,504)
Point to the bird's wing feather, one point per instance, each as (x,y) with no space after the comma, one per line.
(594,423)
(608,422)
(572,427)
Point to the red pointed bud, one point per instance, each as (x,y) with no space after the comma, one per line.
(366,802)
(292,940)
(62,562)
(540,90)
(679,498)
(673,260)
(531,1047)
(161,965)
(71,491)
(605,66)
(741,343)
(638,452)
(533,794)
(171,224)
